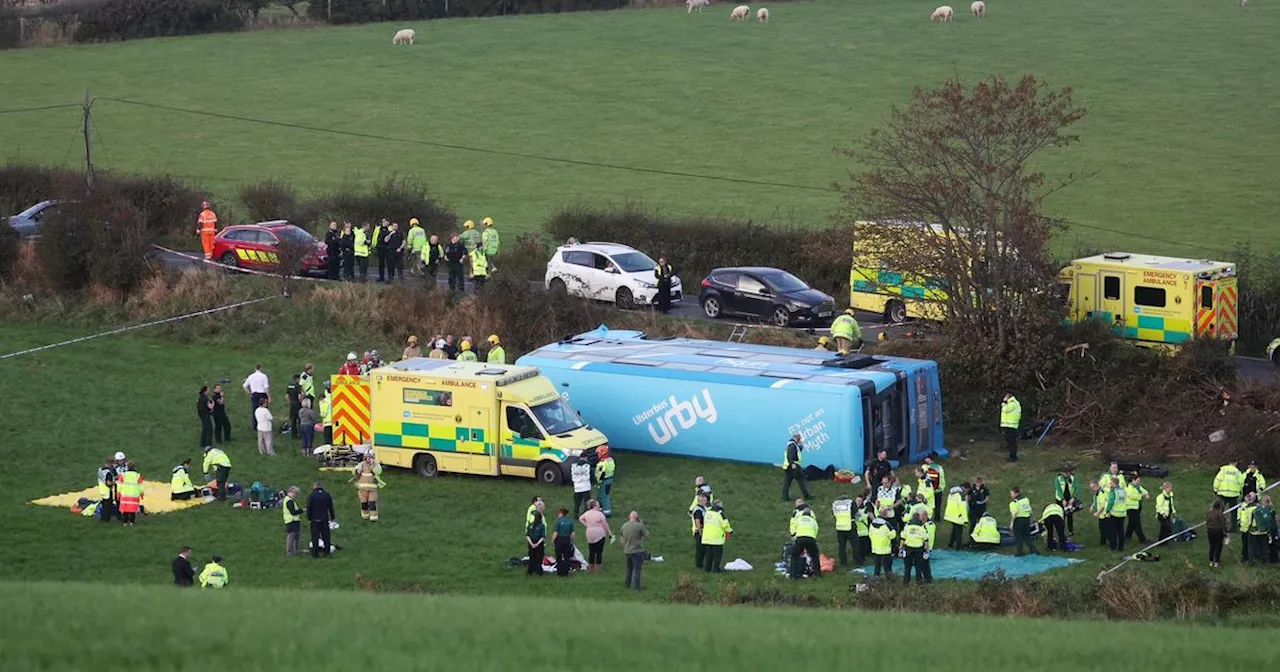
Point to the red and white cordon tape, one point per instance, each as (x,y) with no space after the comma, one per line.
(250,271)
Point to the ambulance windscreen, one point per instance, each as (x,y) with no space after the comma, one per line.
(557,417)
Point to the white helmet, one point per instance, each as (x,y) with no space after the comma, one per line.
(351,357)
(119,456)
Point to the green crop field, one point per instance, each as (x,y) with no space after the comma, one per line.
(67,409)
(62,629)
(1183,133)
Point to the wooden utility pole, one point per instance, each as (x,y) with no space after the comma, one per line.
(88,140)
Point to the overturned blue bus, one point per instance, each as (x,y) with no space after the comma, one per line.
(742,402)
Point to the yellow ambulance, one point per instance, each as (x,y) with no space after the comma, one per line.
(434,415)
(1155,301)
(895,295)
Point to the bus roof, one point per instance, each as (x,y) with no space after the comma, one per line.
(1155,262)
(689,355)
(504,374)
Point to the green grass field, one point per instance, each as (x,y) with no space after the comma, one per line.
(165,629)
(67,409)
(1182,133)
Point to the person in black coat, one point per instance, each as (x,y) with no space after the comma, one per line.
(347,250)
(184,575)
(320,512)
(455,255)
(394,252)
(221,423)
(333,251)
(204,411)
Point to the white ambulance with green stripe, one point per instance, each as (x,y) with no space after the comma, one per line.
(434,415)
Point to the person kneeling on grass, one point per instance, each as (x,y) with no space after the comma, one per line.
(180,486)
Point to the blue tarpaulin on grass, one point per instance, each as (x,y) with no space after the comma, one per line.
(973,565)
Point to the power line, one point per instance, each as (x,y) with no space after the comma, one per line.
(38,109)
(465,148)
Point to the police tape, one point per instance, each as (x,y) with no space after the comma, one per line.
(250,271)
(121,330)
(1130,558)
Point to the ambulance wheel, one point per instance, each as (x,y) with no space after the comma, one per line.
(895,312)
(426,466)
(548,473)
(229,259)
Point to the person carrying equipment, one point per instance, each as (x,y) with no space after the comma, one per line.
(368,480)
(208,228)
(180,486)
(847,332)
(604,480)
(806,543)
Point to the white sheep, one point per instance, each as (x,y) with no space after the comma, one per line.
(404,36)
(763,15)
(979,8)
(696,4)
(740,13)
(943,13)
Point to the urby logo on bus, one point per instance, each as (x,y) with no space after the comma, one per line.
(664,416)
(812,430)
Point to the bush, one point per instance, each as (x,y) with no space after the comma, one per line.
(10,28)
(112,20)
(695,246)
(10,250)
(271,199)
(101,239)
(396,198)
(365,11)
(63,251)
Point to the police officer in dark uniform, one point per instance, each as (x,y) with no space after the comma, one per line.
(792,469)
(333,251)
(294,393)
(663,274)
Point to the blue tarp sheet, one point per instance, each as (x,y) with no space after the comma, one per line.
(973,565)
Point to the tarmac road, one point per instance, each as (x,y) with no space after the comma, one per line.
(1251,368)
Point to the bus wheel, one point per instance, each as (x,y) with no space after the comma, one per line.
(895,312)
(548,473)
(426,466)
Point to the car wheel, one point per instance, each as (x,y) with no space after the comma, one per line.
(548,473)
(558,287)
(625,299)
(711,307)
(426,466)
(781,316)
(229,259)
(895,312)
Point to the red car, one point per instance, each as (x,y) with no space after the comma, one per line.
(254,246)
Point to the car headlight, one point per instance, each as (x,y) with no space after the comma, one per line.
(646,285)
(796,305)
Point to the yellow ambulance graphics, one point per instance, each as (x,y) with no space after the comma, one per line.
(874,287)
(434,415)
(1155,301)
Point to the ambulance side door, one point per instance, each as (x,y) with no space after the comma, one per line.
(1112,302)
(1086,292)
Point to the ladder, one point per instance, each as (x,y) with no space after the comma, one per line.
(739,334)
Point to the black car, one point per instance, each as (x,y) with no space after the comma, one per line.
(768,293)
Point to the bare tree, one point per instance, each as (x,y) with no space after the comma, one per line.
(959,207)
(291,253)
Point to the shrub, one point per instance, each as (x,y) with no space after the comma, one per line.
(271,199)
(396,198)
(687,591)
(112,20)
(10,250)
(695,246)
(167,205)
(63,250)
(119,246)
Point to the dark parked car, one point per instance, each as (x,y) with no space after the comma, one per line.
(770,294)
(27,222)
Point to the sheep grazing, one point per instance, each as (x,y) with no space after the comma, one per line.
(740,13)
(404,36)
(763,15)
(979,8)
(943,13)
(696,4)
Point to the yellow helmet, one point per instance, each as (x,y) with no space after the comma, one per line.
(466,345)
(413,221)
(488,221)
(848,311)
(493,338)
(468,224)
(823,340)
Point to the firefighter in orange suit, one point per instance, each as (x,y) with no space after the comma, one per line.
(208,228)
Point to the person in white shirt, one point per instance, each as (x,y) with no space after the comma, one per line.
(256,386)
(581,476)
(265,424)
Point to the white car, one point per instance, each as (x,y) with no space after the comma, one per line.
(607,272)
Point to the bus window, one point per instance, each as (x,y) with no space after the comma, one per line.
(869,441)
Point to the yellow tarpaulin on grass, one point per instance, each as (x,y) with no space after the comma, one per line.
(155,498)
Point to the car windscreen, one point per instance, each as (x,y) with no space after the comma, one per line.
(634,262)
(783,282)
(31,210)
(557,417)
(294,234)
